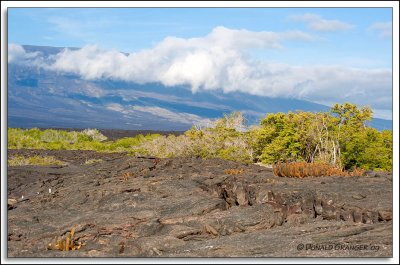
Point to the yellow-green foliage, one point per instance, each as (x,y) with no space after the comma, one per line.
(34,160)
(88,139)
(339,137)
(222,140)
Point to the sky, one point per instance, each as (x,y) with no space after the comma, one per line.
(324,55)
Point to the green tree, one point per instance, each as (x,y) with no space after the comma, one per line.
(369,149)
(339,137)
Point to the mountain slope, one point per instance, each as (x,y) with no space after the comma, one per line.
(45,98)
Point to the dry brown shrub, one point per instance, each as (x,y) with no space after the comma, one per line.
(304,169)
(125,176)
(66,243)
(357,172)
(276,169)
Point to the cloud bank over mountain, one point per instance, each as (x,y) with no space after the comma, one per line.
(221,60)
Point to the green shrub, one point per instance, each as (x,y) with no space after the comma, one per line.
(89,139)
(94,135)
(222,140)
(339,137)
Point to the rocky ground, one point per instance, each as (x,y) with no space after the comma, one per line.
(124,206)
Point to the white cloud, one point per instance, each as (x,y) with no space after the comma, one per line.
(17,53)
(219,61)
(384,28)
(329,85)
(383,114)
(316,22)
(174,60)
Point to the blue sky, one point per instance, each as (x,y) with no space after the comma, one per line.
(133,29)
(324,55)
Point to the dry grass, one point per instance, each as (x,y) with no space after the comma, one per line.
(34,161)
(66,243)
(356,172)
(207,143)
(234,171)
(303,169)
(94,134)
(93,161)
(126,175)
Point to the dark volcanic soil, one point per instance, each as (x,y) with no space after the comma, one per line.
(128,206)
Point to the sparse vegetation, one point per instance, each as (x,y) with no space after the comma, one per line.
(338,138)
(93,161)
(304,169)
(34,160)
(126,175)
(234,171)
(66,243)
(94,135)
(223,140)
(88,139)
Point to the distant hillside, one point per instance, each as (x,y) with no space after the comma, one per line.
(42,98)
